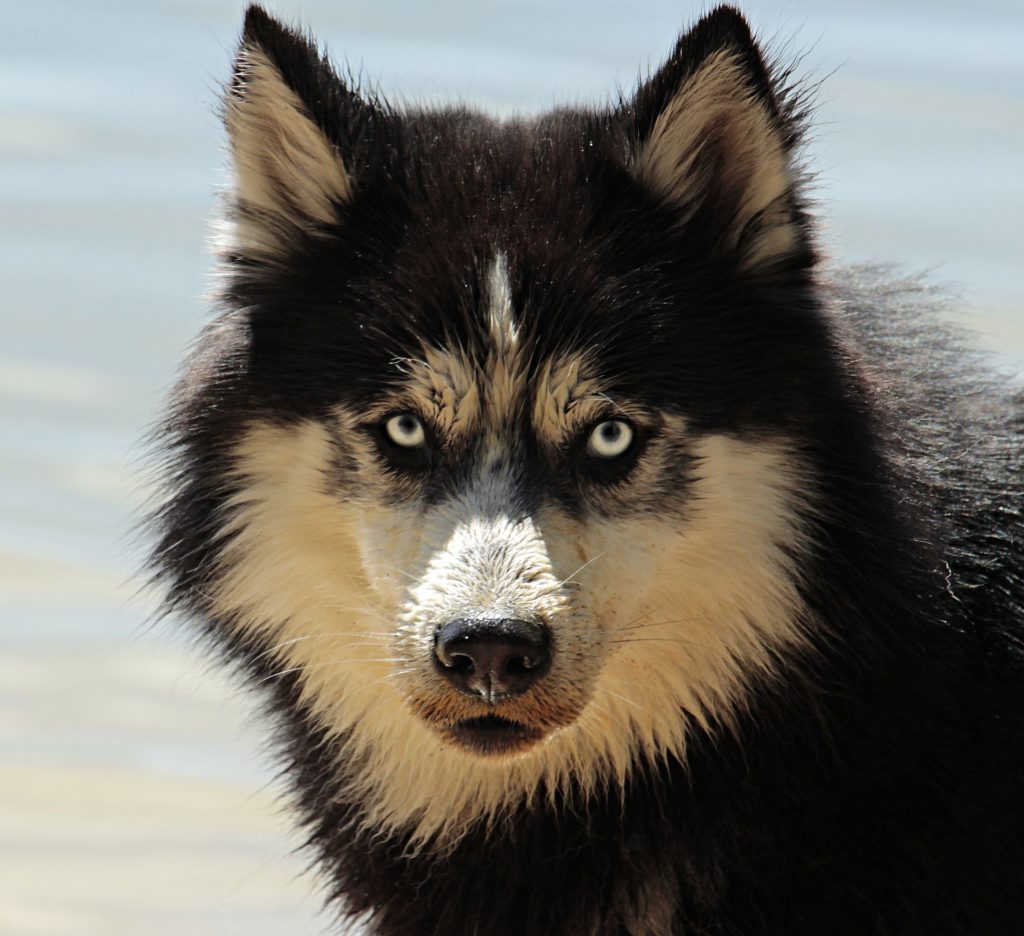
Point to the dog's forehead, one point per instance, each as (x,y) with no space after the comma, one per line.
(500,375)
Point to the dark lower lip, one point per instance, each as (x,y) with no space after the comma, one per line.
(492,735)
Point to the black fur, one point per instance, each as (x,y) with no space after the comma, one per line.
(875,787)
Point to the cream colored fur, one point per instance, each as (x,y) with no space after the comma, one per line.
(749,163)
(651,615)
(287,173)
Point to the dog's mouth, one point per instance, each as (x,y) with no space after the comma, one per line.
(492,735)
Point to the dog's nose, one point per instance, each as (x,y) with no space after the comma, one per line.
(493,659)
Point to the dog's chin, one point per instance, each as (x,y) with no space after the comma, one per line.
(493,736)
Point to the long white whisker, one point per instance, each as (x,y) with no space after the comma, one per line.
(581,568)
(637,626)
(624,699)
(408,575)
(341,661)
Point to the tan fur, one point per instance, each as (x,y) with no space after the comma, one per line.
(286,171)
(713,132)
(444,388)
(455,390)
(565,398)
(650,614)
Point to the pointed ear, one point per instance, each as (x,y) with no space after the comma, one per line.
(711,137)
(285,113)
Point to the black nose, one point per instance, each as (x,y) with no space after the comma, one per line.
(493,659)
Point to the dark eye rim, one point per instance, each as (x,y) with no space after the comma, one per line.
(601,468)
(413,458)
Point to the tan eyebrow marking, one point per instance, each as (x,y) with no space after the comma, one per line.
(445,388)
(566,398)
(453,389)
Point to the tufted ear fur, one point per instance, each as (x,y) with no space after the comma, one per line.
(289,119)
(711,137)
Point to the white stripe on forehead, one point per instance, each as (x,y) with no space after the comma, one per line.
(566,393)
(503,332)
(504,373)
(455,388)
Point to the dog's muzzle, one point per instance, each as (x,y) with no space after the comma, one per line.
(492,660)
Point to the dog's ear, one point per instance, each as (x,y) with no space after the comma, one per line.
(709,134)
(292,123)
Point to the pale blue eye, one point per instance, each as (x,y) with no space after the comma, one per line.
(610,439)
(405,430)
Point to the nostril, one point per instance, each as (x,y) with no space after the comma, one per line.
(460,663)
(492,658)
(516,666)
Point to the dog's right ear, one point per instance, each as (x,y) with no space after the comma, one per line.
(291,123)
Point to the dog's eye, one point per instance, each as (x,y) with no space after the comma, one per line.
(405,430)
(610,439)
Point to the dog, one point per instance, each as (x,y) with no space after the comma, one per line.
(609,562)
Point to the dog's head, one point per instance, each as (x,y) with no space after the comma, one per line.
(493,449)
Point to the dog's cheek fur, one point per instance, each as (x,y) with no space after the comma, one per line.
(650,631)
(288,571)
(707,602)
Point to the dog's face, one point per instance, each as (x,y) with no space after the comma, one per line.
(496,432)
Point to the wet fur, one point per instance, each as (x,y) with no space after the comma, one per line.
(788,696)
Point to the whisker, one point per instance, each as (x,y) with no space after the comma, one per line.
(322,635)
(580,569)
(362,610)
(624,699)
(635,626)
(374,682)
(408,575)
(614,404)
(678,640)
(635,622)
(595,705)
(309,667)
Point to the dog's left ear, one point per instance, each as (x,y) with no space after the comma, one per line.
(710,136)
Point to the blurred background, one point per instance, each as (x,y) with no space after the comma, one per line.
(136,794)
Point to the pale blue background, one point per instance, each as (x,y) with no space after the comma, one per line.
(125,769)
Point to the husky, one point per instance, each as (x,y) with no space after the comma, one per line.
(610,563)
